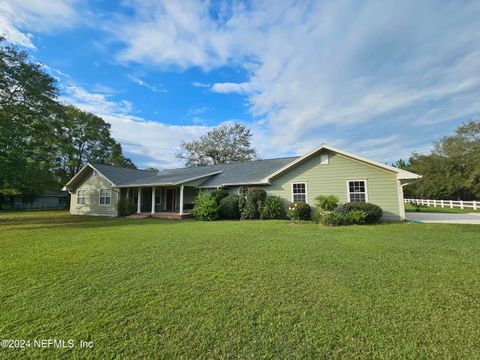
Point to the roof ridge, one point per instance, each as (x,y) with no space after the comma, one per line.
(123,168)
(235,163)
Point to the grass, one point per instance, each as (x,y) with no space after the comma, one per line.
(256,289)
(438,209)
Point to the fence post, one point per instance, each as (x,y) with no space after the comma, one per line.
(441,203)
(428,202)
(474,205)
(451,204)
(434,203)
(461,204)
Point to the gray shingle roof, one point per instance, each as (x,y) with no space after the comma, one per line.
(246,172)
(122,176)
(239,173)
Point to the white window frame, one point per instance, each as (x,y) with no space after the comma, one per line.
(366,188)
(306,190)
(105,197)
(84,197)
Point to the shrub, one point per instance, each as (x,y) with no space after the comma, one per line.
(334,218)
(273,208)
(125,208)
(205,207)
(299,211)
(228,208)
(253,204)
(417,205)
(326,202)
(357,217)
(218,195)
(374,212)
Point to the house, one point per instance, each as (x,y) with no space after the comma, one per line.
(96,189)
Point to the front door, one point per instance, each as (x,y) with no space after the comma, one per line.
(170,200)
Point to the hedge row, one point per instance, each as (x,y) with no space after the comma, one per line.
(255,204)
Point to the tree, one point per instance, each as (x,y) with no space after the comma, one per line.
(42,142)
(27,123)
(229,143)
(84,137)
(117,158)
(452,169)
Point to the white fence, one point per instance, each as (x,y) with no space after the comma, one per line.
(446,203)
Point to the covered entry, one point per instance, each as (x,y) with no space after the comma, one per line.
(153,200)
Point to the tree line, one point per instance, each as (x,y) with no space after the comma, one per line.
(43,142)
(451,170)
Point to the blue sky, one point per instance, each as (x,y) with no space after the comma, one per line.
(378,78)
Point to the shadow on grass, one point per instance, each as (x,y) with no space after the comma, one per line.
(77,221)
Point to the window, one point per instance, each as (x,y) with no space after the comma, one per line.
(105,197)
(323,159)
(299,192)
(357,191)
(81,197)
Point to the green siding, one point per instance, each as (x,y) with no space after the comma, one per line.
(92,184)
(331,179)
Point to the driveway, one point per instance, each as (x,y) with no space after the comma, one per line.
(472,218)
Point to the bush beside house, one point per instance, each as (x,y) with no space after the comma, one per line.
(229,207)
(257,205)
(218,195)
(124,207)
(252,204)
(374,212)
(353,213)
(299,211)
(205,207)
(273,208)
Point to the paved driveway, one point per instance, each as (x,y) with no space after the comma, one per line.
(472,218)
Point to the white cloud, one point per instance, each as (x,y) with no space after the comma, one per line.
(200,84)
(226,88)
(19,17)
(154,88)
(154,143)
(325,70)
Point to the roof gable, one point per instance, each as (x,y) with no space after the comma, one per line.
(401,174)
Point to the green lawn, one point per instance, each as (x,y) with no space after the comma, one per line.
(255,289)
(438,209)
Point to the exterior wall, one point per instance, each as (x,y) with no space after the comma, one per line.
(189,194)
(92,184)
(331,179)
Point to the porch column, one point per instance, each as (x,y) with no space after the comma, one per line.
(153,200)
(139,206)
(128,195)
(181,200)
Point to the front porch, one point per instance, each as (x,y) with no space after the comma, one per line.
(174,202)
(170,215)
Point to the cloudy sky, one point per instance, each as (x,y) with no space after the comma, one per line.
(379,78)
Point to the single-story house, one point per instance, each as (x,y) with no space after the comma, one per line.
(96,189)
